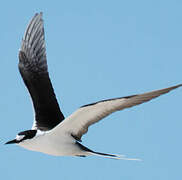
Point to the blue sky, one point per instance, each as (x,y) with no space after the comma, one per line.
(98,50)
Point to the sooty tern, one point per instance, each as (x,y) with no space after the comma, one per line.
(51,133)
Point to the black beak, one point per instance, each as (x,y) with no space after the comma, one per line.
(11,142)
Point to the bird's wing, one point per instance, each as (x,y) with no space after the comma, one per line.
(77,124)
(34,71)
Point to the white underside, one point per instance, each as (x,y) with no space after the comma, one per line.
(62,145)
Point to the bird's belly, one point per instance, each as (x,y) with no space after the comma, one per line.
(63,146)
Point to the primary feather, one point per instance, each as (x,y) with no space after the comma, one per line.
(78,123)
(34,71)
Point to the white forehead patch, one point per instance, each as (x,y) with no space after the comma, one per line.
(20,137)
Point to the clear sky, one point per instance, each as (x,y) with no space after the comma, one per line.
(96,50)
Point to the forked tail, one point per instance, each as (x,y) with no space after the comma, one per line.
(114,156)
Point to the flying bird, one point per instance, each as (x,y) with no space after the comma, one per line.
(51,132)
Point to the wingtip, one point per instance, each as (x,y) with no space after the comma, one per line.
(172,87)
(177,86)
(41,14)
(38,15)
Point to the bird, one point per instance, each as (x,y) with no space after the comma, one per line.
(52,133)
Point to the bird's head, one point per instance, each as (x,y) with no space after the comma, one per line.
(24,135)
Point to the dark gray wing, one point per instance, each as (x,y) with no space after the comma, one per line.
(78,123)
(34,71)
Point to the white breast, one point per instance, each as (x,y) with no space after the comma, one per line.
(62,145)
